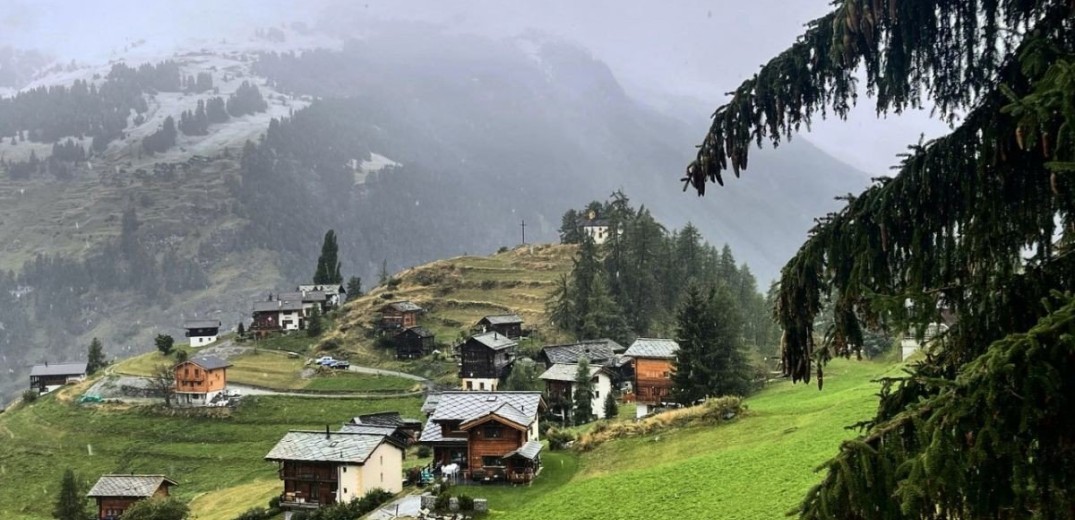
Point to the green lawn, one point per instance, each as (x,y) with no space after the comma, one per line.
(208,456)
(759,466)
(341,381)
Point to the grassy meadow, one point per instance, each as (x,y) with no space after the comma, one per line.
(757,467)
(216,456)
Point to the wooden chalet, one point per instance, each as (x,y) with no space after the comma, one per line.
(276,315)
(486,359)
(324,468)
(414,342)
(335,294)
(115,493)
(510,325)
(199,380)
(603,352)
(400,315)
(492,436)
(202,332)
(652,359)
(560,387)
(46,377)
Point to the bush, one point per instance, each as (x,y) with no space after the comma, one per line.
(558,439)
(424,451)
(466,503)
(254,513)
(442,501)
(712,411)
(387,296)
(487,285)
(329,345)
(29,396)
(392,283)
(503,249)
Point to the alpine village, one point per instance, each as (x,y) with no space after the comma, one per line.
(913,359)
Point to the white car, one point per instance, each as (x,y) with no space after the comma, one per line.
(324,360)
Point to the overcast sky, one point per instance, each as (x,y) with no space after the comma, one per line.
(690,50)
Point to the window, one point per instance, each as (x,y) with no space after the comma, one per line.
(481,385)
(382,477)
(470,385)
(491,461)
(493,432)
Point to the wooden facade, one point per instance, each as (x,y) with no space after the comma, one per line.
(309,484)
(653,380)
(486,356)
(198,380)
(114,494)
(488,441)
(400,315)
(507,325)
(414,342)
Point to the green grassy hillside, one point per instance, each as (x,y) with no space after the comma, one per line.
(456,293)
(216,456)
(757,467)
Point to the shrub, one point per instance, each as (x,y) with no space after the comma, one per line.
(488,285)
(712,411)
(441,503)
(503,249)
(29,396)
(424,451)
(393,283)
(329,344)
(466,503)
(558,439)
(254,513)
(387,296)
(274,505)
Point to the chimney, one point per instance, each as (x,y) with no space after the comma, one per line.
(328,435)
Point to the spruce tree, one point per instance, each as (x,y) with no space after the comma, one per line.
(328,264)
(710,361)
(95,357)
(314,327)
(240,331)
(70,503)
(582,394)
(976,224)
(612,409)
(354,287)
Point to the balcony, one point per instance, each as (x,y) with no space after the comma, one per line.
(297,503)
(307,476)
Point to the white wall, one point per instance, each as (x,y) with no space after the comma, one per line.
(383,469)
(479,384)
(601,391)
(201,341)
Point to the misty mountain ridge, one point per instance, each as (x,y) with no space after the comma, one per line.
(413,145)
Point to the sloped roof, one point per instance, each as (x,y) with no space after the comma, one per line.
(277,305)
(652,348)
(403,306)
(466,406)
(298,296)
(421,332)
(379,418)
(528,451)
(325,287)
(595,351)
(430,404)
(431,432)
(565,372)
(501,319)
(504,412)
(494,340)
(202,324)
(321,447)
(59,369)
(368,429)
(128,485)
(209,362)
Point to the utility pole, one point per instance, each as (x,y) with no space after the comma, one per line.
(524,231)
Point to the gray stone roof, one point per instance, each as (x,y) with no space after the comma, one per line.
(209,362)
(501,319)
(368,429)
(128,485)
(277,305)
(652,348)
(595,351)
(421,332)
(430,404)
(494,340)
(565,372)
(380,418)
(202,324)
(404,306)
(321,447)
(333,288)
(59,369)
(431,432)
(298,296)
(466,406)
(529,451)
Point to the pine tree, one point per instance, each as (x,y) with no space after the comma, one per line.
(383,276)
(328,265)
(354,287)
(569,228)
(70,503)
(612,409)
(582,394)
(95,357)
(710,361)
(240,331)
(975,224)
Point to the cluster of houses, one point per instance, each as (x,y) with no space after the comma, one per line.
(289,311)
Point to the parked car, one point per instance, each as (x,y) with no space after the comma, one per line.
(325,361)
(343,365)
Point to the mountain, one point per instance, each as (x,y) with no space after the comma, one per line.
(413,144)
